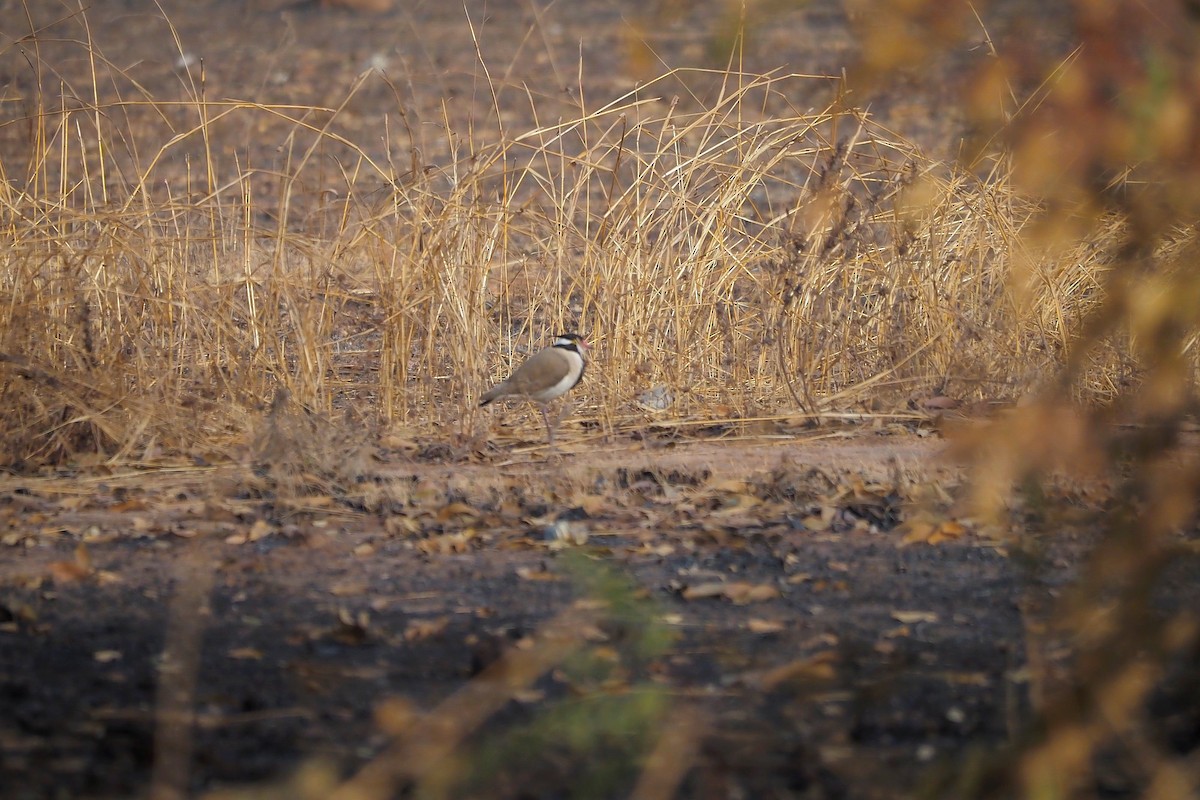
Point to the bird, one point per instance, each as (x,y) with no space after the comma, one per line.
(547,374)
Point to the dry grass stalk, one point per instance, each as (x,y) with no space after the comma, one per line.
(753,259)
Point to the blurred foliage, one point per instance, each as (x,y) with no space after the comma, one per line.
(594,737)
(1096,103)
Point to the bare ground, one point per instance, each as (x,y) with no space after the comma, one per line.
(841,663)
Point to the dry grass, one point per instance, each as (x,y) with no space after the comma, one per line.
(752,258)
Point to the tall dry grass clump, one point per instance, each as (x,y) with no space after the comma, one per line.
(737,255)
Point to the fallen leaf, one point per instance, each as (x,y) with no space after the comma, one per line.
(529,696)
(738,592)
(425,629)
(349,588)
(966,678)
(764,626)
(647,549)
(312,501)
(916,531)
(822,521)
(537,574)
(106,656)
(728,485)
(913,617)
(458,512)
(948,531)
(72,571)
(83,556)
(704,590)
(592,504)
(261,529)
(449,544)
(817,668)
(930,531)
(744,593)
(142,524)
(246,654)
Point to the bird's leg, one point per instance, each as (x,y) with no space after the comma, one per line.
(561,407)
(549,427)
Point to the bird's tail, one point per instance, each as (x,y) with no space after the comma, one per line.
(491,394)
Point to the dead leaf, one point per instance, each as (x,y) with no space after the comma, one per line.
(449,544)
(457,512)
(740,593)
(425,629)
(246,654)
(349,588)
(728,485)
(592,504)
(142,524)
(107,656)
(537,574)
(821,521)
(83,556)
(80,569)
(764,626)
(704,590)
(966,678)
(648,549)
(948,530)
(924,530)
(261,529)
(744,593)
(817,668)
(529,696)
(913,617)
(314,501)
(916,531)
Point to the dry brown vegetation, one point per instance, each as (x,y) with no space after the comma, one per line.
(754,258)
(739,251)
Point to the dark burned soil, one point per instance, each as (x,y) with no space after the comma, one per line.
(820,641)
